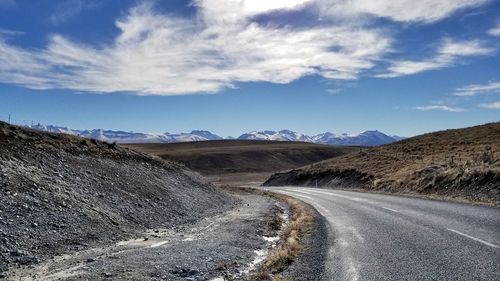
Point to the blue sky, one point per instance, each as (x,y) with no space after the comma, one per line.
(231,66)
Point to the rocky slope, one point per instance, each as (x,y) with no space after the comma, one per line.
(463,163)
(60,193)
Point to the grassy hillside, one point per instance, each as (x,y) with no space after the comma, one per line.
(234,160)
(60,193)
(462,163)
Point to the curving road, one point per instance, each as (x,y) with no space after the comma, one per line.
(385,237)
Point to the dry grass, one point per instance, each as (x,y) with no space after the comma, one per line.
(462,163)
(292,236)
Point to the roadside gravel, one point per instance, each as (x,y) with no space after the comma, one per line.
(60,194)
(218,246)
(310,265)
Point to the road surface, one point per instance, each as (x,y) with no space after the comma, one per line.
(385,237)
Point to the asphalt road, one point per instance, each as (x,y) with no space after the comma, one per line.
(385,237)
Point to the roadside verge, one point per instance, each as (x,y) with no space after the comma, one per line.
(301,251)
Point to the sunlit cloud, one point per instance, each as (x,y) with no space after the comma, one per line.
(256,7)
(493,105)
(478,89)
(495,31)
(439,107)
(159,54)
(426,11)
(447,55)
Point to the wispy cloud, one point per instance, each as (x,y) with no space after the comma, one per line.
(447,54)
(68,9)
(159,54)
(223,45)
(439,107)
(426,11)
(478,89)
(6,33)
(495,31)
(493,105)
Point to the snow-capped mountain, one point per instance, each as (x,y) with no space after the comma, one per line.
(283,135)
(324,138)
(131,137)
(367,138)
(120,136)
(54,129)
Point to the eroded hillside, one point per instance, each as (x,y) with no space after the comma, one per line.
(61,193)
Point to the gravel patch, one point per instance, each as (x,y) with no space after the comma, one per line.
(220,246)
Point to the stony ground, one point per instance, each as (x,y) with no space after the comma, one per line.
(60,194)
(220,246)
(77,209)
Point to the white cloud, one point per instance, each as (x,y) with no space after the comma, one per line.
(439,107)
(158,54)
(447,54)
(166,55)
(495,31)
(452,48)
(426,11)
(493,105)
(68,9)
(255,7)
(478,89)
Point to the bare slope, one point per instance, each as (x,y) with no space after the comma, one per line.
(462,163)
(243,158)
(60,193)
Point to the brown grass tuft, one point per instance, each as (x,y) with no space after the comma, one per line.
(292,237)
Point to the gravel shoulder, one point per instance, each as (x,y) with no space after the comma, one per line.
(217,246)
(311,263)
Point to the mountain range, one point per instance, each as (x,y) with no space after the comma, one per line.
(367,138)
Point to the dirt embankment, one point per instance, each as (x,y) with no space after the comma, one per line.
(233,161)
(461,164)
(60,194)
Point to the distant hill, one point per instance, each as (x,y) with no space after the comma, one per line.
(243,160)
(367,138)
(463,163)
